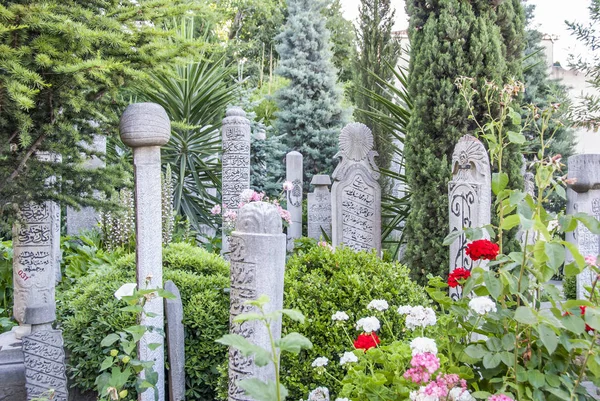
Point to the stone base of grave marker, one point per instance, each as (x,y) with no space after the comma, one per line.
(12,368)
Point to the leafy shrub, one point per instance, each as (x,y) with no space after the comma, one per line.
(88,312)
(319,282)
(570,287)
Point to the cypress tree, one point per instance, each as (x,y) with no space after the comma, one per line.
(310,112)
(64,65)
(377,49)
(449,39)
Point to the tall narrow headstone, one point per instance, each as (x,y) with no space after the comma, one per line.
(356,194)
(319,208)
(87,217)
(145,127)
(257,266)
(470,197)
(236,162)
(175,343)
(294,171)
(584,197)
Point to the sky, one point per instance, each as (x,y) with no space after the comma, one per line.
(550,16)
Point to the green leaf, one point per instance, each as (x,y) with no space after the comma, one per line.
(450,238)
(511,221)
(261,356)
(592,318)
(560,191)
(294,343)
(516,137)
(555,253)
(525,315)
(536,378)
(493,284)
(499,182)
(574,250)
(491,360)
(572,269)
(481,395)
(548,337)
(250,316)
(476,351)
(109,340)
(106,363)
(260,302)
(574,324)
(165,294)
(514,116)
(494,344)
(294,314)
(589,221)
(154,346)
(508,341)
(262,391)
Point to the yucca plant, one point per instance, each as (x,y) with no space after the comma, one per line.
(195,96)
(394,118)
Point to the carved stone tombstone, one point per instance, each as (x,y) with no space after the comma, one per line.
(235,160)
(470,197)
(175,343)
(145,127)
(257,266)
(319,208)
(584,197)
(356,194)
(294,172)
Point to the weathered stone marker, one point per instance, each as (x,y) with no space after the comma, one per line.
(44,355)
(257,266)
(175,343)
(145,127)
(235,160)
(294,172)
(584,197)
(470,197)
(319,208)
(356,194)
(87,218)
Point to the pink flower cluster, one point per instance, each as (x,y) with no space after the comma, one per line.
(591,260)
(445,387)
(423,366)
(499,397)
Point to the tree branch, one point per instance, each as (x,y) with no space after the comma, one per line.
(28,154)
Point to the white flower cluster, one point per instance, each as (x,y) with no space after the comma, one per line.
(339,316)
(348,357)
(421,345)
(417,316)
(342,399)
(320,362)
(368,324)
(319,394)
(246,195)
(460,394)
(482,305)
(378,304)
(421,396)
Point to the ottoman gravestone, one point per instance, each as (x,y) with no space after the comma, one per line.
(145,127)
(175,343)
(319,208)
(294,171)
(469,198)
(235,161)
(583,196)
(258,249)
(356,194)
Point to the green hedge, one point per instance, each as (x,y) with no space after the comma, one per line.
(88,311)
(319,283)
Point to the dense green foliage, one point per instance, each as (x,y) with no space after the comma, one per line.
(319,282)
(310,111)
(377,49)
(449,39)
(343,40)
(88,312)
(62,68)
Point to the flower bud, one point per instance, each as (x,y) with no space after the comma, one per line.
(114,352)
(123,394)
(126,359)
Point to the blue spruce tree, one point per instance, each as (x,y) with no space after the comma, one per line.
(310,112)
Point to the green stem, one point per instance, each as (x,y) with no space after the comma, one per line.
(349,338)
(587,355)
(275,358)
(389,327)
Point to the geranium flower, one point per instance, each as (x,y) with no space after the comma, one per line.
(216,209)
(482,305)
(366,341)
(482,249)
(319,362)
(591,260)
(421,345)
(246,195)
(460,273)
(378,304)
(499,397)
(418,316)
(339,316)
(288,186)
(368,324)
(587,327)
(348,357)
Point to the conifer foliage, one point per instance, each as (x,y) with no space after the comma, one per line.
(310,112)
(64,64)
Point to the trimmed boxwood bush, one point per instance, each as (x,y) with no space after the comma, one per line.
(319,282)
(88,311)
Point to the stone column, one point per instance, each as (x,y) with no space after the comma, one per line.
(236,162)
(584,197)
(469,198)
(87,218)
(145,127)
(293,174)
(257,266)
(319,208)
(356,194)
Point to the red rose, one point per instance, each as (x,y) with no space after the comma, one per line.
(587,327)
(482,249)
(460,273)
(366,341)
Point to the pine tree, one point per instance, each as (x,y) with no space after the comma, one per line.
(310,112)
(378,50)
(449,39)
(64,65)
